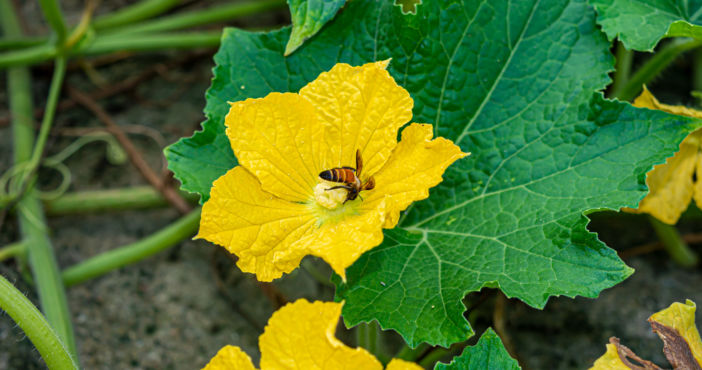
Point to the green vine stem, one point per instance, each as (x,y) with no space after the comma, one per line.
(678,250)
(125,39)
(134,13)
(409,354)
(52,13)
(139,197)
(622,69)
(134,252)
(35,326)
(150,42)
(197,18)
(655,65)
(114,43)
(29,209)
(13,250)
(20,42)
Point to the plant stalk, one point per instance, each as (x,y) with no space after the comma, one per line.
(197,18)
(53,15)
(29,209)
(139,197)
(134,252)
(35,326)
(678,250)
(150,42)
(13,250)
(134,13)
(622,70)
(655,65)
(409,354)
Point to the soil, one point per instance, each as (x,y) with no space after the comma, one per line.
(176,309)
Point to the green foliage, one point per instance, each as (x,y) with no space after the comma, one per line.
(488,353)
(640,24)
(511,82)
(308,16)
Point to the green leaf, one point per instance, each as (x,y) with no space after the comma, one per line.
(488,353)
(308,16)
(510,81)
(640,24)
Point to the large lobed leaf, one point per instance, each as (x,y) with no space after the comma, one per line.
(510,81)
(640,24)
(488,353)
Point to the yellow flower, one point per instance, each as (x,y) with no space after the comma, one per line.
(679,318)
(676,327)
(300,335)
(672,184)
(274,209)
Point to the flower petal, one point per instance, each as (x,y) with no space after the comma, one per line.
(340,243)
(300,335)
(280,140)
(416,164)
(362,107)
(610,360)
(397,364)
(254,225)
(679,318)
(230,357)
(670,184)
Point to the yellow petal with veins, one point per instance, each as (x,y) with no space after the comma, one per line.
(681,318)
(280,140)
(671,185)
(341,242)
(416,164)
(361,108)
(610,360)
(255,225)
(397,364)
(229,358)
(300,335)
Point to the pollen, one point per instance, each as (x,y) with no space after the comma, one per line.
(329,199)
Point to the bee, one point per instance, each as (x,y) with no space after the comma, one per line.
(350,177)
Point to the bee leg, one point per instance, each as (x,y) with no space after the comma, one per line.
(339,187)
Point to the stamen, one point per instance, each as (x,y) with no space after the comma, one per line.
(327,198)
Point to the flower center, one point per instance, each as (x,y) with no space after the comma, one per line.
(329,199)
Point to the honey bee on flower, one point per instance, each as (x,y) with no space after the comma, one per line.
(283,201)
(350,177)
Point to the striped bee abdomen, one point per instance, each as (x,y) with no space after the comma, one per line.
(344,175)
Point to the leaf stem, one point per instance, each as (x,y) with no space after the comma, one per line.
(197,18)
(134,252)
(678,250)
(362,335)
(409,354)
(35,326)
(433,356)
(29,209)
(13,250)
(20,42)
(134,13)
(139,197)
(622,70)
(656,64)
(53,15)
(150,42)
